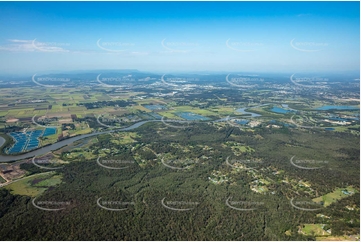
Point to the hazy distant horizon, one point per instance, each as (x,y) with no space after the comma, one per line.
(348,74)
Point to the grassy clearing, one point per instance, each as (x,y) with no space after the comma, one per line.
(24,187)
(345,128)
(83,131)
(332,197)
(151,101)
(313,229)
(3,113)
(194,110)
(124,138)
(222,110)
(54,180)
(169,114)
(141,108)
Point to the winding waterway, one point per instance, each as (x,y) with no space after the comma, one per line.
(253,115)
(57,145)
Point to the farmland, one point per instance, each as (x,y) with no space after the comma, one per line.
(259,148)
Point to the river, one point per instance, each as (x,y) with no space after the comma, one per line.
(253,115)
(57,145)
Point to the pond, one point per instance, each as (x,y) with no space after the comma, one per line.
(330,107)
(49,131)
(154,107)
(156,116)
(191,116)
(242,121)
(25,141)
(57,145)
(280,110)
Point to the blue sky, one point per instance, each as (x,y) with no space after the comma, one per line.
(179,36)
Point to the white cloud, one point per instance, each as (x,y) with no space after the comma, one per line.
(17,45)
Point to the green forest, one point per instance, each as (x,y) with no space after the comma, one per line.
(142,186)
